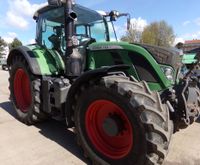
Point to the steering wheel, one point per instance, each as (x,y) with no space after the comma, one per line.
(83,38)
(80,37)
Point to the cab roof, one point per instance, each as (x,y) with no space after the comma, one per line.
(80,10)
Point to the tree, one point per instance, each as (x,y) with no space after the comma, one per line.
(3,45)
(132,35)
(158,33)
(16,42)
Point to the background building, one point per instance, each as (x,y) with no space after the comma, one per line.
(190,45)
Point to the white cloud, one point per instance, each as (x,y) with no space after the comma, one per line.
(186,23)
(187,36)
(12,34)
(194,21)
(139,23)
(191,35)
(16,21)
(31,41)
(20,12)
(24,7)
(197,21)
(194,35)
(9,37)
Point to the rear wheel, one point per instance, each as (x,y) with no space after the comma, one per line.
(122,122)
(25,92)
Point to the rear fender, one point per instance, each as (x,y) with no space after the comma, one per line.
(28,55)
(40,60)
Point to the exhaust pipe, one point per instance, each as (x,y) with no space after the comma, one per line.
(70,17)
(73,59)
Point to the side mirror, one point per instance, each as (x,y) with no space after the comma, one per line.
(113,15)
(55,2)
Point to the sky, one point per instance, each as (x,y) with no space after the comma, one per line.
(182,15)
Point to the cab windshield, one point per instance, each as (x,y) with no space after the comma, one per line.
(97,30)
(89,25)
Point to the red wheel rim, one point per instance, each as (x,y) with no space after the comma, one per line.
(114,147)
(22,90)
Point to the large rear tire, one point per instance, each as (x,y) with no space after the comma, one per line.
(25,92)
(118,122)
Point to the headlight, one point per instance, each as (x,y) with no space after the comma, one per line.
(168,71)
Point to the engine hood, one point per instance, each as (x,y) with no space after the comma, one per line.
(165,56)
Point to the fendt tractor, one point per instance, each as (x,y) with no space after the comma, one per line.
(123,100)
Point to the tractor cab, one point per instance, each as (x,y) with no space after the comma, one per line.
(90,26)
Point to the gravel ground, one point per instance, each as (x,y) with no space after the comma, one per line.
(50,143)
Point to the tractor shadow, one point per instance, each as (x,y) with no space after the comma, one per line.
(8,107)
(55,131)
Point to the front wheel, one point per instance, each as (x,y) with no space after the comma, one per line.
(122,122)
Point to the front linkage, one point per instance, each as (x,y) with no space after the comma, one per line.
(184,99)
(188,102)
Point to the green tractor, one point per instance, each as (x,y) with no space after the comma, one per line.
(124,100)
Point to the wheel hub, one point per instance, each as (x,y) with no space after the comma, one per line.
(109,129)
(22,90)
(113,125)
